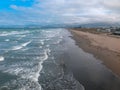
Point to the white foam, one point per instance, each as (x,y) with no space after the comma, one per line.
(7,40)
(27,73)
(8,33)
(45,57)
(4,34)
(21,36)
(58,42)
(1,58)
(13,33)
(45,54)
(40,46)
(36,76)
(17,47)
(42,42)
(25,44)
(47,45)
(47,39)
(61,37)
(21,46)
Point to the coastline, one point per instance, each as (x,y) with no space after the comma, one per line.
(107,53)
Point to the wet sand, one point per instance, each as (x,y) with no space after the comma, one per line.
(102,46)
(88,70)
(73,69)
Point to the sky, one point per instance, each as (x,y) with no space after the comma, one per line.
(27,12)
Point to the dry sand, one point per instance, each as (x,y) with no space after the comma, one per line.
(102,46)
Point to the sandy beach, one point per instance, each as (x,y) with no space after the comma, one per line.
(101,45)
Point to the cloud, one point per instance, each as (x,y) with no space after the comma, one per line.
(83,11)
(13,6)
(67,11)
(112,4)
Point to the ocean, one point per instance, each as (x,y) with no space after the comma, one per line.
(22,54)
(47,59)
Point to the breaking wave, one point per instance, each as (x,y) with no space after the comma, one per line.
(7,40)
(20,46)
(25,60)
(5,33)
(1,58)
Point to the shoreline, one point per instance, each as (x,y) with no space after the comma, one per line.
(108,54)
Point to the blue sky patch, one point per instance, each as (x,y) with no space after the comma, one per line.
(5,4)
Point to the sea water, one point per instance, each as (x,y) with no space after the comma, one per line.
(22,54)
(48,59)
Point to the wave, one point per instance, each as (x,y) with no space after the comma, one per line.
(36,76)
(17,47)
(47,39)
(21,46)
(1,58)
(45,57)
(25,44)
(7,40)
(4,34)
(40,46)
(21,84)
(45,54)
(21,69)
(21,36)
(58,41)
(47,46)
(28,65)
(42,42)
(13,33)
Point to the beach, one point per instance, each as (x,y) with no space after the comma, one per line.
(34,60)
(103,46)
(49,59)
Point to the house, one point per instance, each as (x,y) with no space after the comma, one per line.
(116,32)
(105,30)
(112,30)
